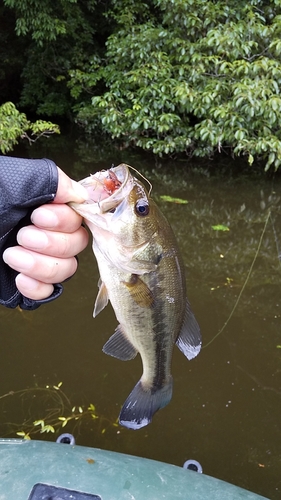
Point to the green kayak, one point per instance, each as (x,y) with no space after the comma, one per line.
(39,470)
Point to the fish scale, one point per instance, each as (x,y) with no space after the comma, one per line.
(142,275)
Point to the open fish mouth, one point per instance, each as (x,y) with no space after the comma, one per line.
(107,188)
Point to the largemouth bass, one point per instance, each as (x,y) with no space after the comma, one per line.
(142,274)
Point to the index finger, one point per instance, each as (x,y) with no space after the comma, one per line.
(56,217)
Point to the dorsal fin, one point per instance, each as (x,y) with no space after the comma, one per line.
(189,340)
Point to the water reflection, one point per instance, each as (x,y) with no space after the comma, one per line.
(225,408)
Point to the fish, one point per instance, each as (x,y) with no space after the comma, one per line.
(142,276)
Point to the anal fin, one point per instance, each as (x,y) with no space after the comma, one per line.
(119,346)
(189,340)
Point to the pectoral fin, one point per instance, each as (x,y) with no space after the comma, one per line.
(101,300)
(139,291)
(189,340)
(119,346)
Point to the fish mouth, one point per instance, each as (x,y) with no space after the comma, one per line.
(107,188)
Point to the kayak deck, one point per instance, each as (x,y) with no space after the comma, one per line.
(37,470)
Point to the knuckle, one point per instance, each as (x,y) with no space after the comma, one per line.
(52,271)
(65,246)
(60,269)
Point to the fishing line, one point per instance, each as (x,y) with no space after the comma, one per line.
(276,240)
(143,177)
(245,282)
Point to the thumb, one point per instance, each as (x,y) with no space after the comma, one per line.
(69,190)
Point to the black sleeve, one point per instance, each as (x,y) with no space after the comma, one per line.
(24,185)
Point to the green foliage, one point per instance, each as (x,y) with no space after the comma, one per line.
(14,125)
(171,199)
(169,76)
(44,21)
(198,77)
(61,40)
(220,227)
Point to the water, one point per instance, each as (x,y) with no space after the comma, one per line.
(225,410)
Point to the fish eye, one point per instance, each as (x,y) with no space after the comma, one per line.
(142,208)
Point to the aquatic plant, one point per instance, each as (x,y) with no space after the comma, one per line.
(50,410)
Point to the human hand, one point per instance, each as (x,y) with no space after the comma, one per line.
(46,250)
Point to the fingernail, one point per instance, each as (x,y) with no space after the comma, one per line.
(23,281)
(14,257)
(43,217)
(32,288)
(32,238)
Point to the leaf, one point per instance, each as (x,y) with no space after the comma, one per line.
(171,199)
(24,435)
(250,159)
(47,428)
(39,422)
(270,160)
(220,227)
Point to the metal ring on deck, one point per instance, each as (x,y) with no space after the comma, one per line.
(193,465)
(66,439)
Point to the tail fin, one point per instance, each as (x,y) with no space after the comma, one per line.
(142,403)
